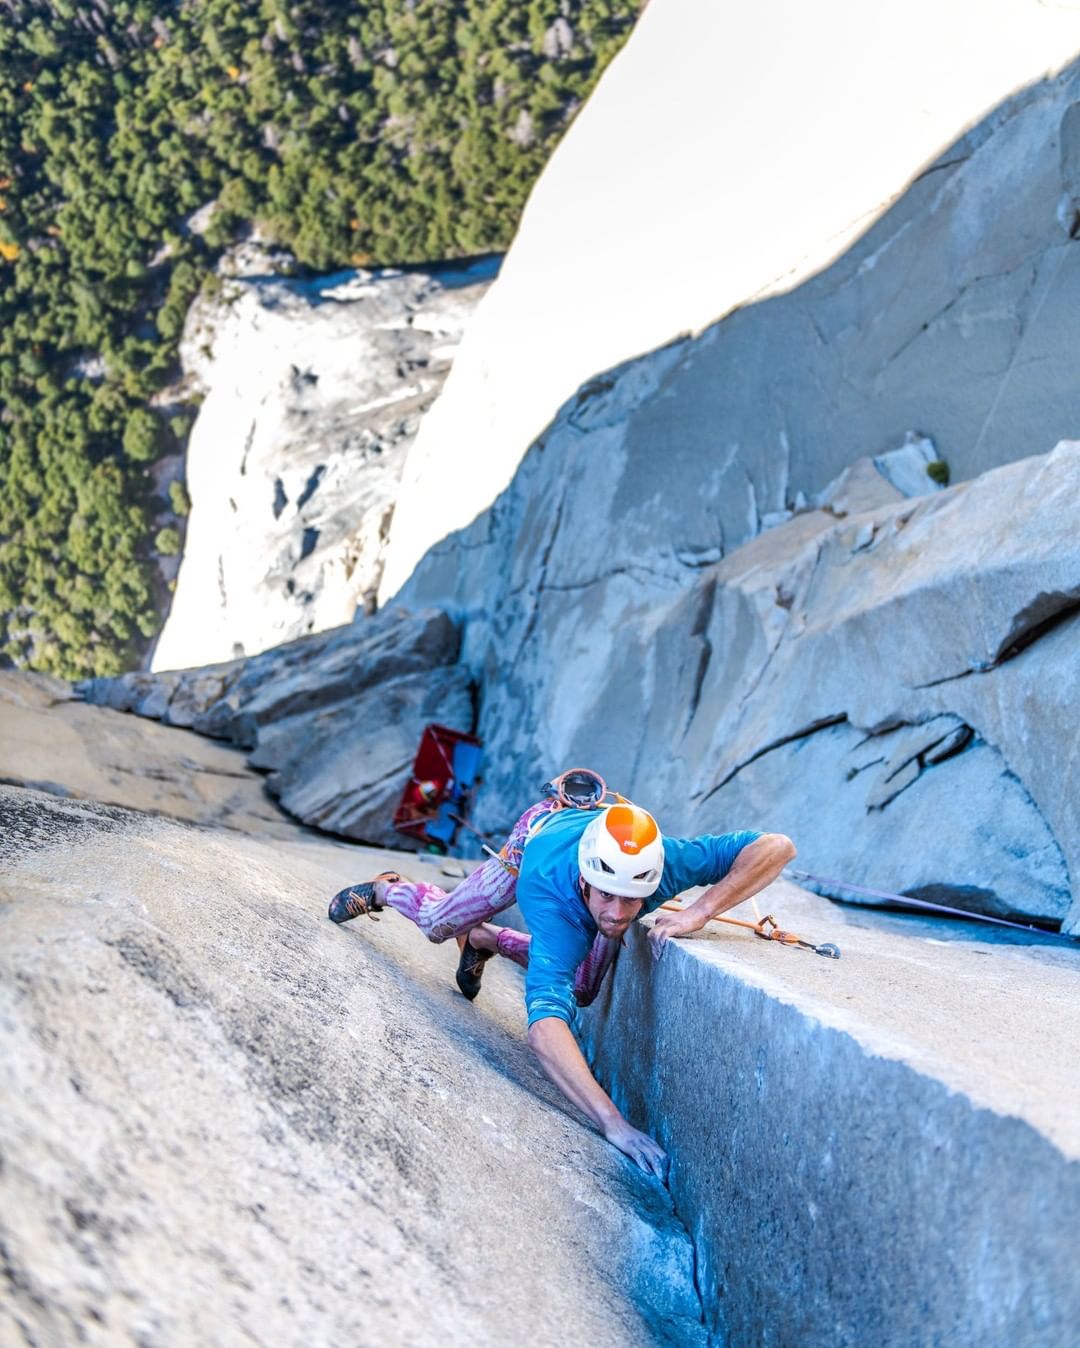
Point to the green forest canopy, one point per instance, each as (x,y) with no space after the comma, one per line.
(394,132)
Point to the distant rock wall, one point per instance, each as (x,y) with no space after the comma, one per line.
(656,594)
(727,155)
(314,390)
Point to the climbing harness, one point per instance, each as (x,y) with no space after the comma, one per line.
(828,886)
(769,929)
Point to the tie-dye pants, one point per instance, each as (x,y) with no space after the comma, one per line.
(485,893)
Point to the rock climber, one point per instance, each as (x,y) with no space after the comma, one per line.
(581,872)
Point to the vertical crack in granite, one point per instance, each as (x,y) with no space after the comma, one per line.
(700,632)
(1026,328)
(534,616)
(777,1125)
(710,1340)
(695,1261)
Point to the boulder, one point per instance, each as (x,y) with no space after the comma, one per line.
(334,718)
(313,391)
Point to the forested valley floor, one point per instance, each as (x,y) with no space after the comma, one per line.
(139,140)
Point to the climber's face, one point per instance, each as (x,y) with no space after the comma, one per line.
(611,912)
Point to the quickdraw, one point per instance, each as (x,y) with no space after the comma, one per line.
(769,929)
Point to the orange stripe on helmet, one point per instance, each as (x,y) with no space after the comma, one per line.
(632,827)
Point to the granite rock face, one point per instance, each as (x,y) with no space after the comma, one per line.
(896,688)
(708,577)
(334,719)
(948,327)
(881,222)
(314,390)
(869,1150)
(225,1120)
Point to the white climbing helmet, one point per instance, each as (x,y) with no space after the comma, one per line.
(622,852)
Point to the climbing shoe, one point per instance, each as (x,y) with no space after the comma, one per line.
(470,969)
(359,899)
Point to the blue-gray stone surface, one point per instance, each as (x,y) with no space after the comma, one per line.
(878,1150)
(895,688)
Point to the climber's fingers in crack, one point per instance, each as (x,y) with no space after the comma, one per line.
(654,1161)
(646,1154)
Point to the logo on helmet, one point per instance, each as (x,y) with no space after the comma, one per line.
(631,827)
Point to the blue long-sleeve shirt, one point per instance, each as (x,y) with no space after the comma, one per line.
(562,927)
